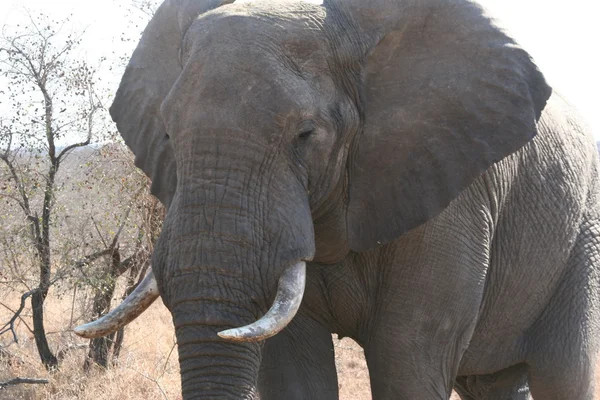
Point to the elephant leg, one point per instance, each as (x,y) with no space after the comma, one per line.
(507,384)
(299,363)
(428,301)
(563,345)
(410,373)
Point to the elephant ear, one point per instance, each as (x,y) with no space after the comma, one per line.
(148,78)
(445,94)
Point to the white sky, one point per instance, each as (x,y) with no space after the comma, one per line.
(563,37)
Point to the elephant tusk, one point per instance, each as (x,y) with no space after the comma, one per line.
(134,305)
(287,301)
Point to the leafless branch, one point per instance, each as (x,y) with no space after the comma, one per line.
(82,263)
(10,325)
(164,369)
(15,199)
(20,187)
(100,233)
(9,144)
(151,380)
(18,381)
(92,257)
(20,317)
(94,105)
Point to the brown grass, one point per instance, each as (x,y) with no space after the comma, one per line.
(148,367)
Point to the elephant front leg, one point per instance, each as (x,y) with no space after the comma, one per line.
(412,372)
(299,363)
(429,294)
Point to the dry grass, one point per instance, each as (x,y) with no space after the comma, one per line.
(353,376)
(148,367)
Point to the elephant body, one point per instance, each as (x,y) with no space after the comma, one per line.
(398,172)
(518,303)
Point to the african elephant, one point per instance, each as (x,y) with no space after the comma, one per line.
(398,172)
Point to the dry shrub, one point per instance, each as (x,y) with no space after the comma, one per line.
(147,369)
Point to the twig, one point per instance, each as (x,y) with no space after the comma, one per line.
(151,380)
(20,317)
(73,306)
(167,360)
(18,381)
(10,325)
(80,264)
(99,234)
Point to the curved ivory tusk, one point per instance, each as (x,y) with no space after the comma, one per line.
(131,308)
(287,301)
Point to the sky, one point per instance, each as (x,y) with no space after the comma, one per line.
(563,37)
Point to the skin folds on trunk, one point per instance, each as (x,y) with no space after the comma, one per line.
(205,299)
(212,368)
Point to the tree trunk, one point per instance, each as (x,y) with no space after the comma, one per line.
(100,348)
(37,304)
(42,241)
(131,285)
(99,352)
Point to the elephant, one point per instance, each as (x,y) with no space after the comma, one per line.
(398,172)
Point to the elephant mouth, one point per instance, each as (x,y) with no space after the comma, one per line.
(290,291)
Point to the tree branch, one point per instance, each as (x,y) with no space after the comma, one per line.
(18,381)
(10,325)
(63,352)
(90,123)
(92,257)
(20,317)
(18,182)
(15,199)
(82,263)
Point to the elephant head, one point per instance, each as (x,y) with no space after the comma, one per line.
(277,133)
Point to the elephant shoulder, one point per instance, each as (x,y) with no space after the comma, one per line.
(561,126)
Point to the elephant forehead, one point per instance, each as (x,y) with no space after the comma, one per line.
(295,28)
(254,53)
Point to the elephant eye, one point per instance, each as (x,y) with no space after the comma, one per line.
(305,134)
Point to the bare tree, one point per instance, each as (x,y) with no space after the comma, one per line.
(52,98)
(54,111)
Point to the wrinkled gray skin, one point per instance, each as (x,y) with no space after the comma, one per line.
(447,200)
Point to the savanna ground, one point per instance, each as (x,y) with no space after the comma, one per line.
(147,368)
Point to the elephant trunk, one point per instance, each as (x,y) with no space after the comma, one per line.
(230,236)
(205,299)
(212,368)
(219,270)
